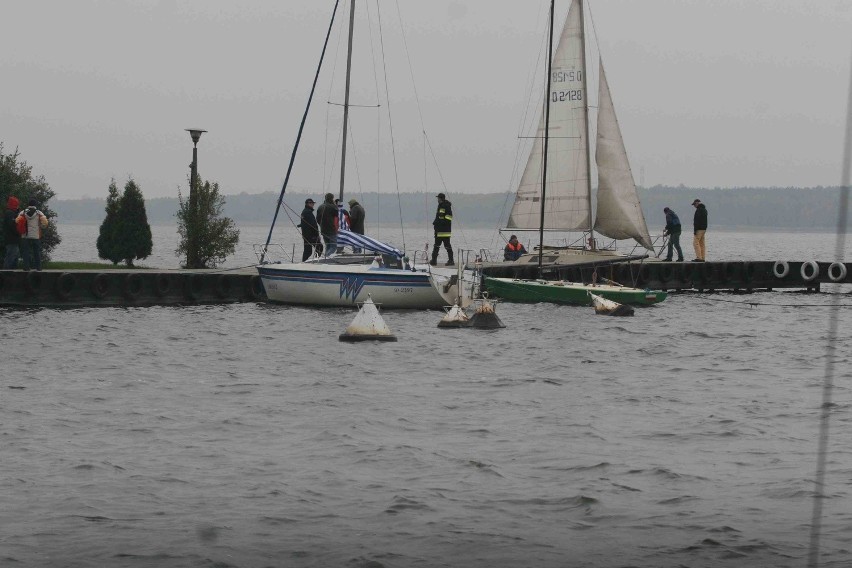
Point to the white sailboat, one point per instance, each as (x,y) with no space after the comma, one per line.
(348,280)
(564,202)
(555,191)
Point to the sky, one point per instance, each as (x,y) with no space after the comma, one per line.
(723,93)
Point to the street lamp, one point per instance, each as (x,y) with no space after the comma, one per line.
(191,256)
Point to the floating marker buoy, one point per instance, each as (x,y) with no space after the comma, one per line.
(455,317)
(368,325)
(484,317)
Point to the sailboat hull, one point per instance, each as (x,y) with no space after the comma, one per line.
(559,292)
(313,284)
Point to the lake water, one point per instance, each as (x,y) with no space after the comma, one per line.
(248,436)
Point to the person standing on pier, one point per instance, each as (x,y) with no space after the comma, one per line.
(10,234)
(443,224)
(31,241)
(327,219)
(310,231)
(673,230)
(699,225)
(357,215)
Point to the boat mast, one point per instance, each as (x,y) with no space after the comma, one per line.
(346,97)
(546,138)
(586,120)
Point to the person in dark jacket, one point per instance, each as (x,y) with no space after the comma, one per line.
(357,215)
(10,234)
(327,220)
(310,231)
(443,224)
(514,249)
(699,225)
(673,230)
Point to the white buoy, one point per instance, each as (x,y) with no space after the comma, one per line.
(368,325)
(605,307)
(455,317)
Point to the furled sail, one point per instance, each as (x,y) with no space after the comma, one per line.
(567,200)
(619,214)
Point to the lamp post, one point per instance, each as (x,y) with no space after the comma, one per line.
(191,256)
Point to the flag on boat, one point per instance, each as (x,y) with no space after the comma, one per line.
(361,241)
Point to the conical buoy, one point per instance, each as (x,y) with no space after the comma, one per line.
(455,317)
(485,317)
(368,325)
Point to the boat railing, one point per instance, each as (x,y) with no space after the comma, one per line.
(275,252)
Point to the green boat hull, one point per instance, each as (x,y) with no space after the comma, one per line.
(558,292)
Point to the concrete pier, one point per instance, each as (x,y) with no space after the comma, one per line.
(733,275)
(127,287)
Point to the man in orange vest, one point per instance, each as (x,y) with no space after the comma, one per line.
(514,249)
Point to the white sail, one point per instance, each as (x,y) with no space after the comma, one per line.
(619,214)
(567,200)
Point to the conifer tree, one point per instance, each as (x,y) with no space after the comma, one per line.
(215,236)
(133,233)
(16,178)
(108,236)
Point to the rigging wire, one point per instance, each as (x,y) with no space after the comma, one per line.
(299,135)
(828,380)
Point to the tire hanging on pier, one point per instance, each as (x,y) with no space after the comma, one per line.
(837,272)
(32,282)
(162,284)
(65,285)
(809,271)
(100,285)
(781,269)
(132,286)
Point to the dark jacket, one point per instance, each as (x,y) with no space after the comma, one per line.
(356,217)
(326,217)
(10,230)
(443,222)
(672,224)
(699,223)
(310,229)
(513,251)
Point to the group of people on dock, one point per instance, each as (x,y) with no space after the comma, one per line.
(330,218)
(22,231)
(699,228)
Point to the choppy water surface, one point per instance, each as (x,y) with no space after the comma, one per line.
(248,436)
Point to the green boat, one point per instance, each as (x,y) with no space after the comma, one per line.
(562,292)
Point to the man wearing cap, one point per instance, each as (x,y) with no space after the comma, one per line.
(357,215)
(310,231)
(699,225)
(327,220)
(673,230)
(443,224)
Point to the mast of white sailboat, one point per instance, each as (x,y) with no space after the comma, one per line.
(346,97)
(546,138)
(588,141)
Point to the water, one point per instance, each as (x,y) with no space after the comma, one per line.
(248,436)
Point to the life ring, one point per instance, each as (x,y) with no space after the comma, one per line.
(837,272)
(781,269)
(100,285)
(254,288)
(223,286)
(162,284)
(65,285)
(32,282)
(132,286)
(193,286)
(809,270)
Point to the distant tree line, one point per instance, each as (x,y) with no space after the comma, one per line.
(747,207)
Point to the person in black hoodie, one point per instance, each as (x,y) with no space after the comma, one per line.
(10,234)
(326,217)
(310,231)
(699,226)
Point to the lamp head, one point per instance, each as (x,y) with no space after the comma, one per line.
(195,133)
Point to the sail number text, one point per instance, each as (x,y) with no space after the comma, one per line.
(566,76)
(558,96)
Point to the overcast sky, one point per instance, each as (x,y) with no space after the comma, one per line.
(708,93)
